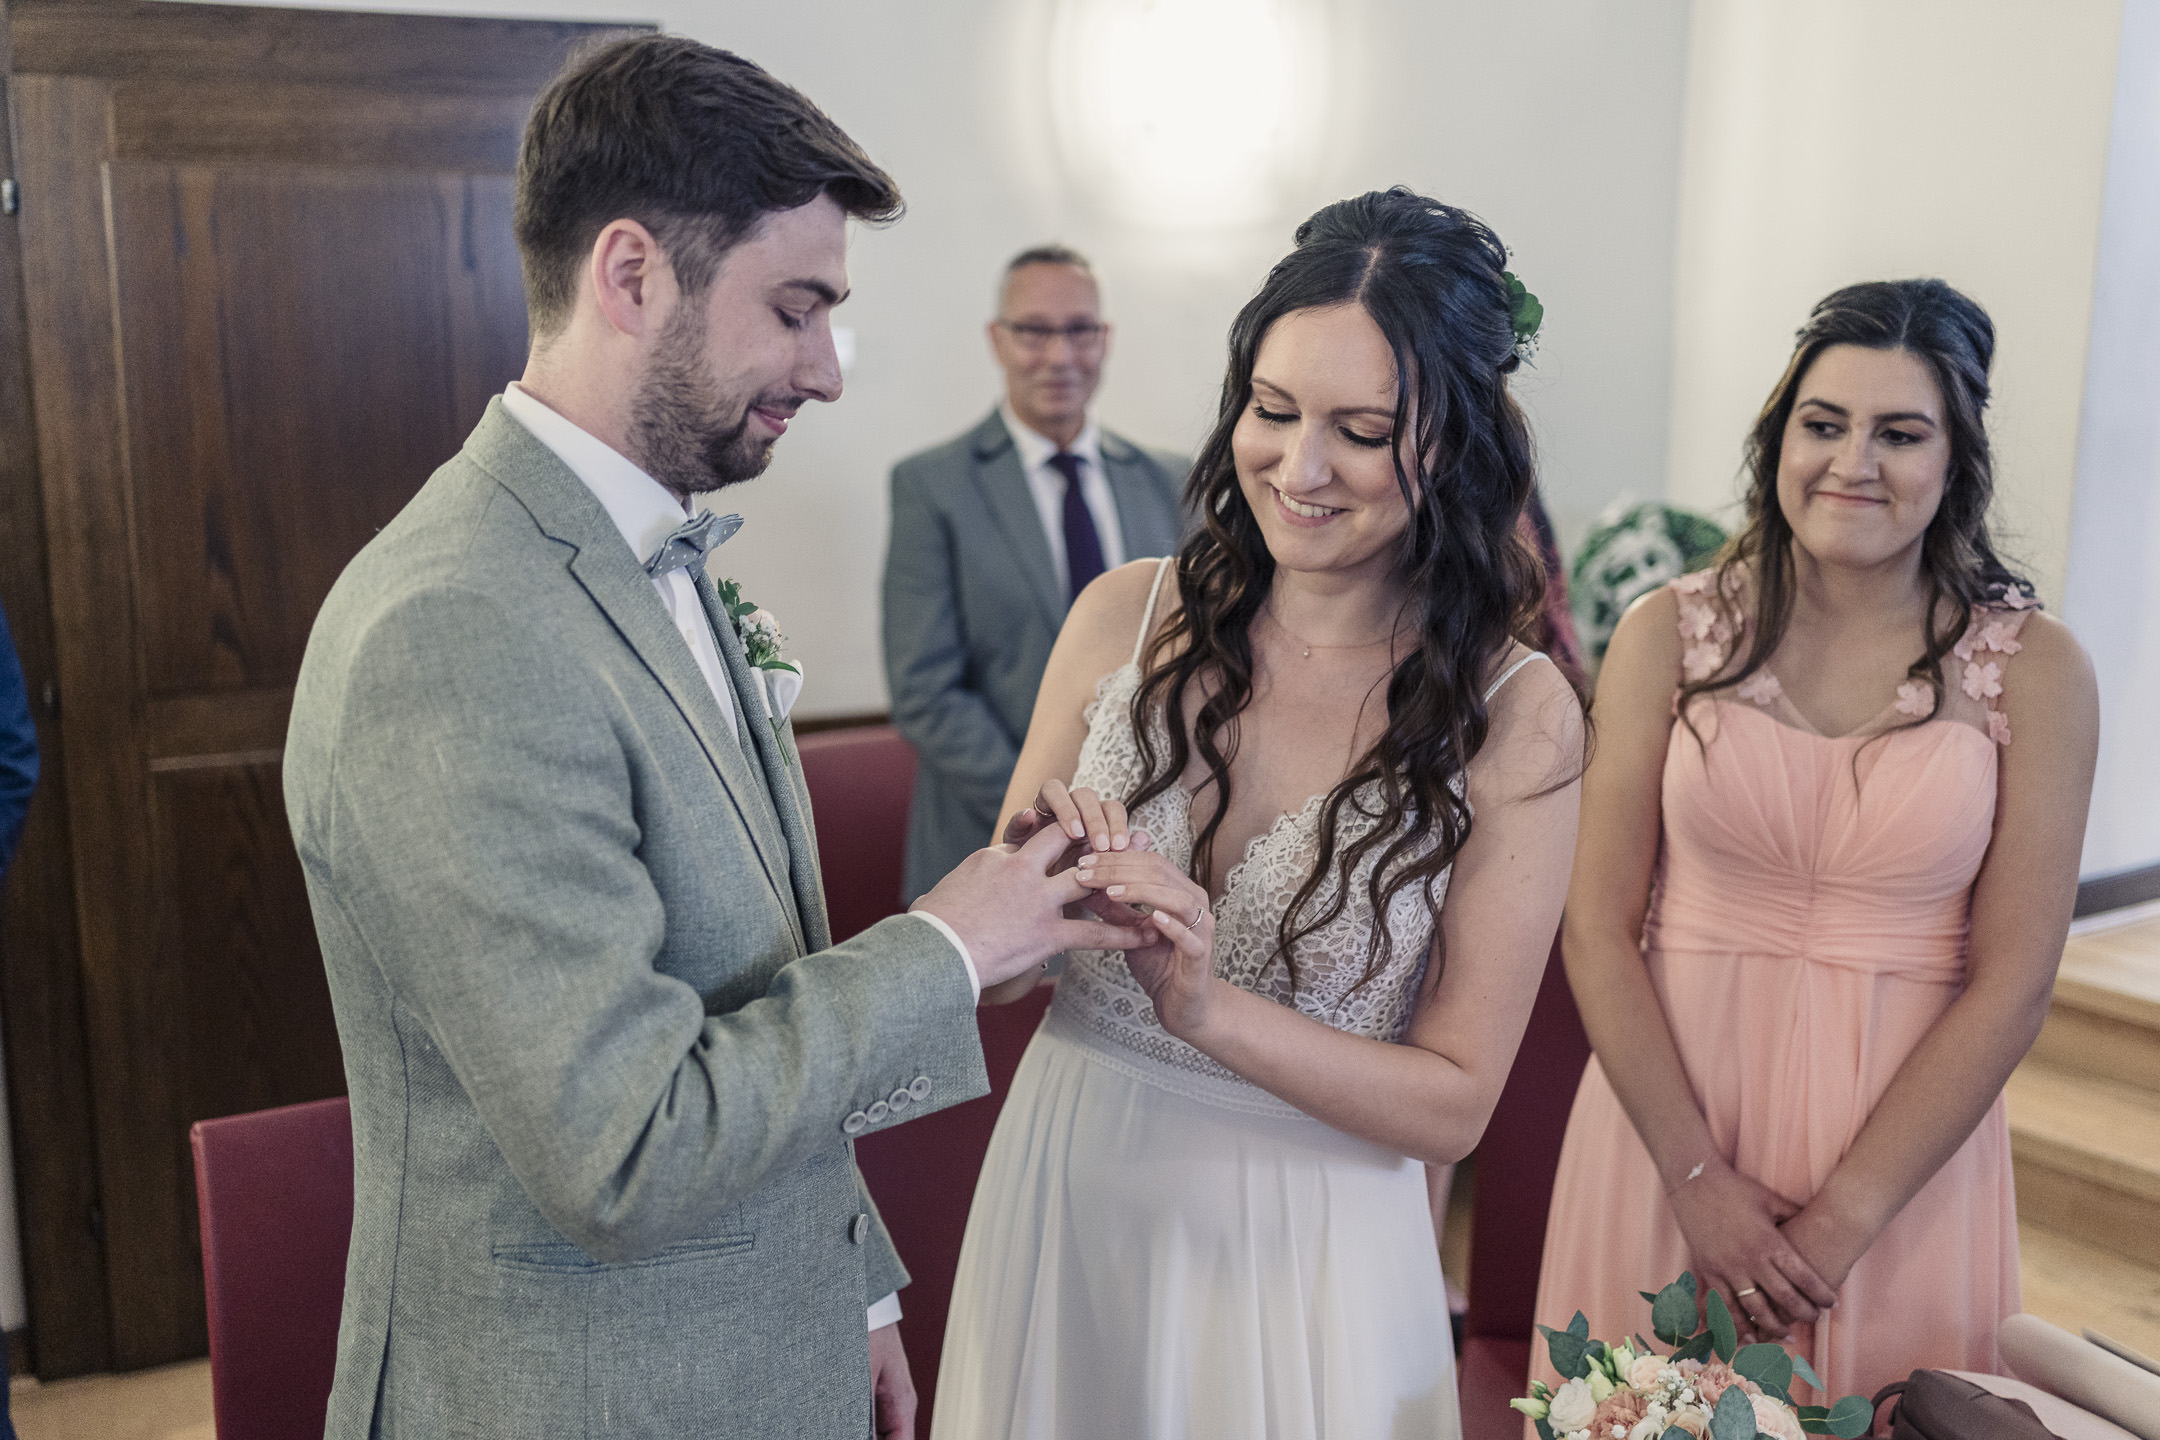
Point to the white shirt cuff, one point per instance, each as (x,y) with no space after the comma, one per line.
(885,1312)
(957,943)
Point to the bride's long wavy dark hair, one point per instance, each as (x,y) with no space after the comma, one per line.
(1430,276)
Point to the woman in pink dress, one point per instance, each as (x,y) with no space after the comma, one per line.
(1830,839)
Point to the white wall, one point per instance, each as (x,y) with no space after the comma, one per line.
(1846,140)
(2112,592)
(1557,120)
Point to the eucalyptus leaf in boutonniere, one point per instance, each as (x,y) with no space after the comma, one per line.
(780,679)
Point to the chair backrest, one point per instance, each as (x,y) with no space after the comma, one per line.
(922,1173)
(860,782)
(1516,1162)
(276,1192)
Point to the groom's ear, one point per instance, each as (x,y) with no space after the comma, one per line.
(629,280)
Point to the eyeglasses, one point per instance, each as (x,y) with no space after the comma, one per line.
(1084,334)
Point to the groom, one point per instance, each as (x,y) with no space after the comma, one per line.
(606,1065)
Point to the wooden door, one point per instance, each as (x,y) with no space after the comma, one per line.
(269,285)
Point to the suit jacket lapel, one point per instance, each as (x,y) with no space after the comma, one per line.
(1003,486)
(602,564)
(776,755)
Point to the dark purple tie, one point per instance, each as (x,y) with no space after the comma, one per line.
(1083,547)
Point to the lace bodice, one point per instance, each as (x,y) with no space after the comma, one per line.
(1098,991)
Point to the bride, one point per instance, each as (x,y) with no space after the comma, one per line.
(1203,1212)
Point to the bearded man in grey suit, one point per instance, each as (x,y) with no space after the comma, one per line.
(993,534)
(606,1067)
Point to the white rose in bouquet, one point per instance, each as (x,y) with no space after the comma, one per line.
(1573,1407)
(1643,1373)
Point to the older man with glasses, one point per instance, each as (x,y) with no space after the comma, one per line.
(993,534)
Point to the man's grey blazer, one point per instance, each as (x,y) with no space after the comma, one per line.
(605,1065)
(972,607)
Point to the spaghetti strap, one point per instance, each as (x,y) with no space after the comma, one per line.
(1147,620)
(1509,673)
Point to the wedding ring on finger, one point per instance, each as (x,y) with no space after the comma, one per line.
(1198,916)
(1743,1294)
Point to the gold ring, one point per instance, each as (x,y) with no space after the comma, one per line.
(1743,1294)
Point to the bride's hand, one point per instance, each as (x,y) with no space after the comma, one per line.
(1094,822)
(1177,971)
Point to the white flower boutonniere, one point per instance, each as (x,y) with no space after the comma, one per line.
(780,679)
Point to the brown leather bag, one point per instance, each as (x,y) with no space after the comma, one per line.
(1936,1405)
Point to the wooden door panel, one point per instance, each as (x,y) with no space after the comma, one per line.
(301,347)
(269,285)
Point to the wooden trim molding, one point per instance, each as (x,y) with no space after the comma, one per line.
(847,721)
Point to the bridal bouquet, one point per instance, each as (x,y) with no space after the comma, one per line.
(1710,1387)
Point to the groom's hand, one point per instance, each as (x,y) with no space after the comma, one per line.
(1007,905)
(892,1388)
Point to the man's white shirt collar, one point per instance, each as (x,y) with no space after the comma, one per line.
(641,507)
(1036,448)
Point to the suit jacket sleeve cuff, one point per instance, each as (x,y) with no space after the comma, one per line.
(885,1312)
(958,944)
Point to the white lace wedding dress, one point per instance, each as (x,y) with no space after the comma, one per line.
(1161,1249)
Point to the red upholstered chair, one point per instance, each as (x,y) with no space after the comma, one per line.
(1516,1162)
(276,1193)
(860,781)
(922,1173)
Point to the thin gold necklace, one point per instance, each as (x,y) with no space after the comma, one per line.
(1306,647)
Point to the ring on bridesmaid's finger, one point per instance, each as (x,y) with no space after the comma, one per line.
(1743,1294)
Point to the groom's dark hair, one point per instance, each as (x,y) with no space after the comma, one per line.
(693,143)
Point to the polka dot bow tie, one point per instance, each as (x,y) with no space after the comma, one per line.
(687,545)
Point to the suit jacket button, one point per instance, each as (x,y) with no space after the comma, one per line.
(900,1099)
(919,1087)
(858,1229)
(855,1124)
(878,1111)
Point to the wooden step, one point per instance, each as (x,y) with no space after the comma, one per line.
(2076,1285)
(2105,1019)
(2087,1155)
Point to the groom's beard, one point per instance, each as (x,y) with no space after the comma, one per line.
(682,438)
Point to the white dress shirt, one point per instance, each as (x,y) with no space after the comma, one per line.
(1048,488)
(645,512)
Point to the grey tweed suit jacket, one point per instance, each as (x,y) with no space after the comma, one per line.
(605,1064)
(972,608)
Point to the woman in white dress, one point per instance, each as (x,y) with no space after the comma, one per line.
(1203,1212)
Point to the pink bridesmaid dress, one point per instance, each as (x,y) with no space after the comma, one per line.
(1807,924)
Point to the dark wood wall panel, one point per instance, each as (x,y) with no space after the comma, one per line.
(239,969)
(58,120)
(49,1101)
(262,44)
(265,284)
(324,125)
(294,371)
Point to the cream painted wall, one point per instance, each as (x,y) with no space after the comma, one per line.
(1557,120)
(2112,591)
(1848,140)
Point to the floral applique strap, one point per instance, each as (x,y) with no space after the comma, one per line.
(1707,635)
(1991,638)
